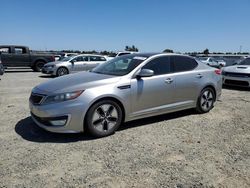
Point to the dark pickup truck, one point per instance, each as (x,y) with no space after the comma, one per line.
(20,56)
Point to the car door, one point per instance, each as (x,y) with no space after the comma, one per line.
(187,80)
(6,56)
(153,94)
(21,57)
(78,63)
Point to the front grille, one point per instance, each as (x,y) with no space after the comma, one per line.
(234,74)
(36,98)
(237,82)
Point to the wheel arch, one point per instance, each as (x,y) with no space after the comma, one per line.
(213,88)
(106,98)
(62,67)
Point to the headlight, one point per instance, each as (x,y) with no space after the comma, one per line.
(50,66)
(62,97)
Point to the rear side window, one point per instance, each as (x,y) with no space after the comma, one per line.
(97,58)
(20,50)
(182,63)
(160,65)
(245,62)
(120,54)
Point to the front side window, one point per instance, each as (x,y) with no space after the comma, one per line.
(183,63)
(160,65)
(119,66)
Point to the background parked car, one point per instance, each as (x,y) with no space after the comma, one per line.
(20,56)
(121,54)
(212,62)
(63,55)
(237,75)
(123,89)
(73,64)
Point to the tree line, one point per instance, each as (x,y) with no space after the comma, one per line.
(133,48)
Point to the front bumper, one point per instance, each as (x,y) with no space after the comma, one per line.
(236,81)
(72,111)
(49,70)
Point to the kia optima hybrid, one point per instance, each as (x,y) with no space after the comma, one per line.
(123,89)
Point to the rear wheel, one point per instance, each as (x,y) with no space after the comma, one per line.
(206,100)
(104,118)
(62,71)
(38,66)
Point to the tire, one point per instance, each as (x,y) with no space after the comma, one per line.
(206,100)
(38,66)
(61,71)
(103,118)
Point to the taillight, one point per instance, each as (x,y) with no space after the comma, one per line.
(217,71)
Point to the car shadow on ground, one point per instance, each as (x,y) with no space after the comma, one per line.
(28,130)
(17,70)
(236,88)
(47,76)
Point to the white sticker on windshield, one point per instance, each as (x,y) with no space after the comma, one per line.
(140,58)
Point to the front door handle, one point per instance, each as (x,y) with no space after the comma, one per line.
(199,76)
(169,80)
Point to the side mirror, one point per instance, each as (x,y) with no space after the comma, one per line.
(145,73)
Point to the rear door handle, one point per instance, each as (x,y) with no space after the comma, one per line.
(199,76)
(169,80)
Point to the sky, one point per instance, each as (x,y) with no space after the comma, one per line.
(150,25)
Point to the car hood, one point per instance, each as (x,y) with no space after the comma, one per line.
(238,69)
(75,82)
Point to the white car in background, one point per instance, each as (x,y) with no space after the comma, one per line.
(72,64)
(121,54)
(211,61)
(237,75)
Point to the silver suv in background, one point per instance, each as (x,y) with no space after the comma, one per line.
(71,64)
(123,89)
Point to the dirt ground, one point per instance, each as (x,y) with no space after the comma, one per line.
(181,149)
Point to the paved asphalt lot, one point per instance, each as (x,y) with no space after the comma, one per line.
(181,149)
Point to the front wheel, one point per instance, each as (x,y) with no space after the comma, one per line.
(104,118)
(62,71)
(206,100)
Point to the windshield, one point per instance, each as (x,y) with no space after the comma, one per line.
(66,58)
(245,62)
(120,66)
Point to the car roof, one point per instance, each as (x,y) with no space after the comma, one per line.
(91,55)
(159,53)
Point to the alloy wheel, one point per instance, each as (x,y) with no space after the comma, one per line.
(207,100)
(105,117)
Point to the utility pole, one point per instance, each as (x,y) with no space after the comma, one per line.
(240,48)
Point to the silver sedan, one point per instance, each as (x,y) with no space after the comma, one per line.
(237,75)
(123,89)
(72,64)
